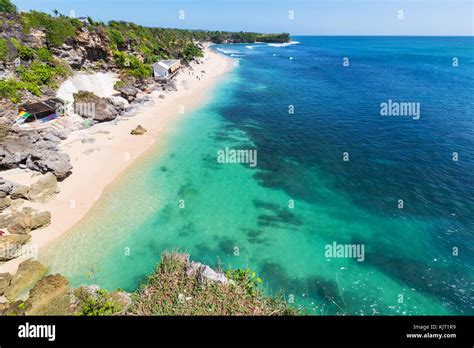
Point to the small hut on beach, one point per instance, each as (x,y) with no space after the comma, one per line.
(166,69)
(43,111)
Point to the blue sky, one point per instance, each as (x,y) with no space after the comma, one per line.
(311,17)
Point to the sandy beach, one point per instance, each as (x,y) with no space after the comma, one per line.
(99,154)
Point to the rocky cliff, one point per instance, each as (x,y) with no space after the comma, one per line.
(26,49)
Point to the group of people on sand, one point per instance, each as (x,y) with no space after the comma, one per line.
(190,72)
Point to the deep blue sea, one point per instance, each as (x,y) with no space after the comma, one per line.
(400,186)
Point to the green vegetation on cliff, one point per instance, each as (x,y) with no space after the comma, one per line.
(178,287)
(244,37)
(58,29)
(102,303)
(3,49)
(173,290)
(41,69)
(160,43)
(9,90)
(7,7)
(132,65)
(152,44)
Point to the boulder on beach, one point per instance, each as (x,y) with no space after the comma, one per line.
(139,130)
(28,220)
(50,296)
(57,163)
(128,92)
(4,308)
(19,191)
(10,245)
(108,112)
(17,204)
(105,109)
(5,188)
(5,279)
(36,150)
(27,275)
(5,220)
(44,189)
(5,202)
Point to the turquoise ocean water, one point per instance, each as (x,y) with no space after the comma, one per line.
(238,216)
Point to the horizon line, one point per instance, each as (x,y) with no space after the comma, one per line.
(50,12)
(375,35)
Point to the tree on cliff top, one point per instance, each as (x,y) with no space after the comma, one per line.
(7,6)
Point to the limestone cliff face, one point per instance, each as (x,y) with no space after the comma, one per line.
(89,49)
(80,51)
(11,28)
(85,49)
(95,43)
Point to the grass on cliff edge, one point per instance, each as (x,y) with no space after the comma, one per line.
(170,291)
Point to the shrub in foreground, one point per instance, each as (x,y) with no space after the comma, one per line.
(172,290)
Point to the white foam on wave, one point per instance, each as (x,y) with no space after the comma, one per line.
(251,47)
(283,44)
(237,55)
(226,51)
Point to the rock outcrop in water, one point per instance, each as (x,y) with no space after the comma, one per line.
(50,296)
(27,275)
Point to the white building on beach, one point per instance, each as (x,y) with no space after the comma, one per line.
(166,69)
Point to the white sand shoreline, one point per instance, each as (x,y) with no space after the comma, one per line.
(97,163)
